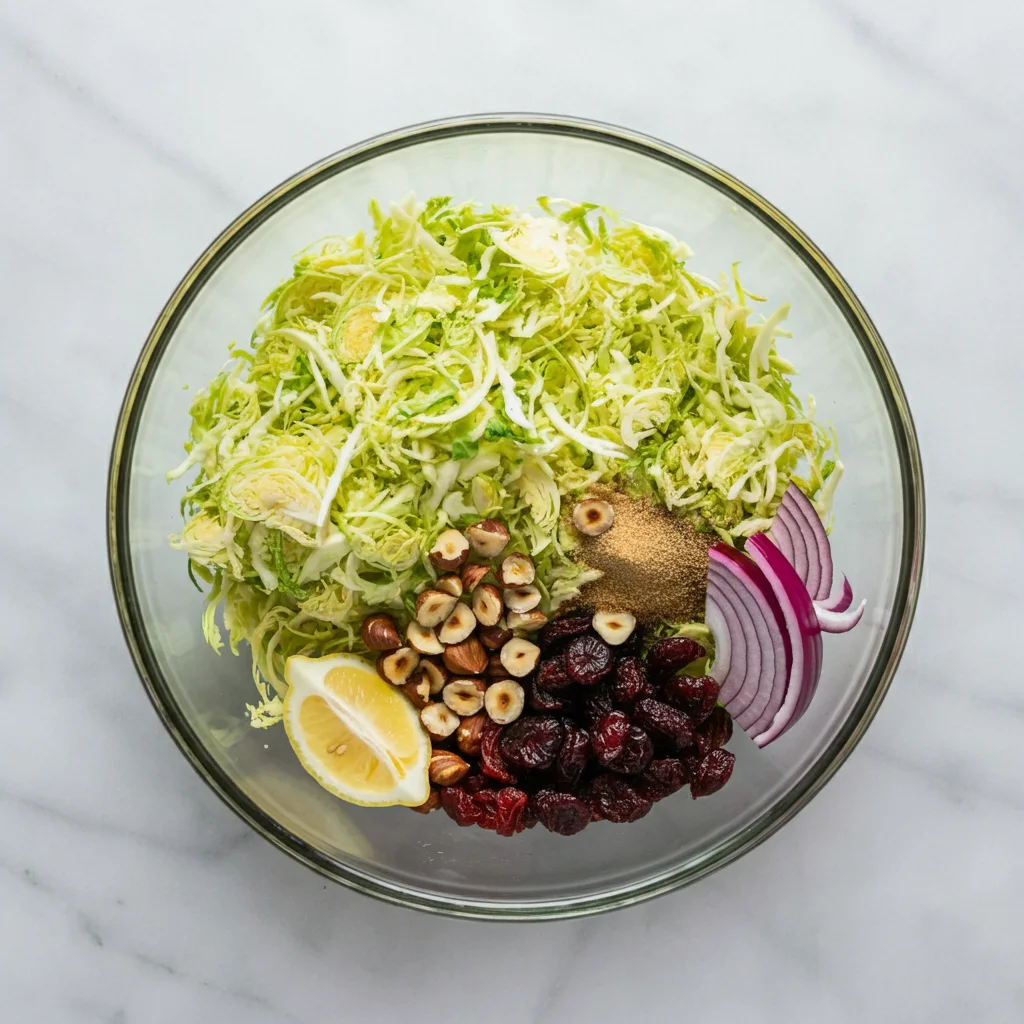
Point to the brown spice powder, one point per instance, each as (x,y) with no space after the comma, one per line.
(655,563)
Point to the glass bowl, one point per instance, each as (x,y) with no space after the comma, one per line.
(428,862)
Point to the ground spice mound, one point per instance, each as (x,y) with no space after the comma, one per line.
(655,564)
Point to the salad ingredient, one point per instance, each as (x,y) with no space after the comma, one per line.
(532,742)
(659,717)
(467,658)
(446,768)
(653,562)
(517,570)
(522,599)
(614,628)
(458,626)
(494,637)
(450,550)
(593,517)
(588,659)
(355,734)
(432,803)
(435,673)
(439,720)
(470,732)
(529,621)
(715,731)
(379,632)
(573,755)
(504,701)
(757,673)
(673,653)
(839,622)
(464,696)
(618,800)
(422,639)
(398,666)
(637,752)
(417,691)
(575,623)
(661,778)
(798,533)
(631,681)
(492,759)
(487,604)
(433,607)
(472,576)
(696,695)
(519,657)
(711,773)
(561,813)
(488,537)
(450,585)
(608,736)
(801,626)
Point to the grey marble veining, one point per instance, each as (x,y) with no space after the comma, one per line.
(130,134)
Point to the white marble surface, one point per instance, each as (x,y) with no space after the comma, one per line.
(131,133)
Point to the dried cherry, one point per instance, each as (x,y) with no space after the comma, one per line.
(672,653)
(492,762)
(617,800)
(542,700)
(599,701)
(573,755)
(636,753)
(510,810)
(660,717)
(712,773)
(588,659)
(551,673)
(696,695)
(631,682)
(608,736)
(532,742)
(576,623)
(715,731)
(662,777)
(561,813)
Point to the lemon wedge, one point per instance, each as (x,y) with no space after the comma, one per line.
(354,733)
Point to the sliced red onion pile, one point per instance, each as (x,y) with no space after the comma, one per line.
(767,608)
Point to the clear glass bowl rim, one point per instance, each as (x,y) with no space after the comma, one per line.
(882,671)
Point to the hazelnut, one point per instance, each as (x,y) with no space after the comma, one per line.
(519,657)
(614,627)
(466,659)
(446,768)
(464,696)
(495,669)
(433,607)
(487,604)
(494,637)
(439,720)
(504,701)
(432,803)
(527,621)
(417,690)
(398,666)
(593,517)
(450,550)
(522,599)
(470,733)
(422,639)
(517,571)
(450,585)
(380,633)
(436,674)
(458,625)
(472,575)
(488,537)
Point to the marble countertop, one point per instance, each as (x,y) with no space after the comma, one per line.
(131,133)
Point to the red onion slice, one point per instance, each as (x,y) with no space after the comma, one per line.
(837,602)
(801,624)
(819,571)
(740,685)
(754,685)
(804,547)
(782,536)
(717,623)
(839,622)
